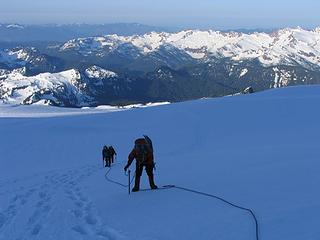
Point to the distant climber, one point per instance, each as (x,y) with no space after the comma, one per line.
(106,156)
(143,153)
(112,152)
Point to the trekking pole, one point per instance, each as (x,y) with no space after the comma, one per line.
(129,183)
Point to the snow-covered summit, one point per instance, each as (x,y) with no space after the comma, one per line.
(22,56)
(317,30)
(98,72)
(12,56)
(286,46)
(19,89)
(15,26)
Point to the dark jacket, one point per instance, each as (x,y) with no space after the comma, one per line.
(146,160)
(112,151)
(105,152)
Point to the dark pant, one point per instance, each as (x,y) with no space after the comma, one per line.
(108,161)
(139,170)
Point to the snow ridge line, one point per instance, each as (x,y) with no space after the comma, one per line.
(196,192)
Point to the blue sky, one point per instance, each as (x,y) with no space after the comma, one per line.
(221,14)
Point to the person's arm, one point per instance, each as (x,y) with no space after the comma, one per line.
(131,157)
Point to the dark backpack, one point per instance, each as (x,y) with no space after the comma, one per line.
(112,151)
(142,149)
(106,151)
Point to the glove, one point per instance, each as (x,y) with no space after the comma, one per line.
(126,168)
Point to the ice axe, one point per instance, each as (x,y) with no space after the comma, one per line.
(129,179)
(129,183)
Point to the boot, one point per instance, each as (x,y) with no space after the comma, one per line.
(151,182)
(136,187)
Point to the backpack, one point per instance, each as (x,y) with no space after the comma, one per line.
(142,149)
(149,142)
(106,151)
(112,151)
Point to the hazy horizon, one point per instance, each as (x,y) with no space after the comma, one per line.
(169,28)
(207,14)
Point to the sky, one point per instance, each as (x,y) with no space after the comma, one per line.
(222,14)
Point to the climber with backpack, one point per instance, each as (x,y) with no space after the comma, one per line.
(143,153)
(112,152)
(106,156)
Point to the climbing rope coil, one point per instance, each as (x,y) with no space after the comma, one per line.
(248,210)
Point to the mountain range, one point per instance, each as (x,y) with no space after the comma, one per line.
(23,33)
(158,66)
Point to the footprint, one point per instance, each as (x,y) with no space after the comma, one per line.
(34,217)
(42,194)
(77,213)
(15,198)
(91,220)
(108,233)
(36,229)
(2,220)
(79,229)
(23,201)
(79,204)
(7,215)
(46,208)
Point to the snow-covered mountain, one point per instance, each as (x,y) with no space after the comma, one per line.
(28,57)
(287,46)
(71,88)
(19,89)
(161,66)
(57,89)
(13,32)
(100,73)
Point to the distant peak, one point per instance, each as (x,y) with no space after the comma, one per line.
(15,26)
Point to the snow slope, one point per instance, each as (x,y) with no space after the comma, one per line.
(41,110)
(259,151)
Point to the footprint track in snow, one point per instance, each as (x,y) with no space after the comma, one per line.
(16,202)
(89,224)
(68,180)
(40,197)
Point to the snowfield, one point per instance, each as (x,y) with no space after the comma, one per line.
(258,151)
(42,110)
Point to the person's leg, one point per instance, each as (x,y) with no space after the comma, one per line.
(149,170)
(139,169)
